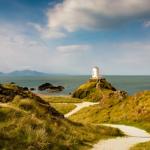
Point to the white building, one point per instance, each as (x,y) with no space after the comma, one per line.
(95,73)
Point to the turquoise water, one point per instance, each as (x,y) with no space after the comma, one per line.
(131,84)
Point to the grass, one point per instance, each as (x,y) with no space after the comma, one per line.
(97,90)
(31,131)
(141,146)
(84,90)
(134,111)
(31,123)
(63,107)
(61,99)
(63,104)
(145,145)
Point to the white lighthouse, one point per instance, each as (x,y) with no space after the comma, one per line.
(95,73)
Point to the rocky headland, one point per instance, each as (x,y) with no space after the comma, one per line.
(98,90)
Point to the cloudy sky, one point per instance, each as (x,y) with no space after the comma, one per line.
(71,36)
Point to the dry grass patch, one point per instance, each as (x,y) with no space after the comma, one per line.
(63,108)
(61,99)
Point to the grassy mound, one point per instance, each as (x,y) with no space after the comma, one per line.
(96,90)
(29,122)
(10,93)
(134,109)
(60,99)
(63,108)
(141,146)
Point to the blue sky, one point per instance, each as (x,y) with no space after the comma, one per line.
(67,36)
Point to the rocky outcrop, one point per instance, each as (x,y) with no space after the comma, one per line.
(98,89)
(7,93)
(32,89)
(103,84)
(50,88)
(25,88)
(10,91)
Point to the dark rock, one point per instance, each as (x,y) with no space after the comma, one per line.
(12,83)
(51,88)
(103,84)
(32,89)
(25,88)
(121,94)
(45,86)
(56,89)
(8,94)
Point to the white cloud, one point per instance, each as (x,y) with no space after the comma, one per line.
(68,49)
(19,50)
(135,53)
(124,58)
(72,15)
(46,32)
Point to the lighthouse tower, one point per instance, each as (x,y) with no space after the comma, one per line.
(95,73)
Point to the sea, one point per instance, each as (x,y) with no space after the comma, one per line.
(131,84)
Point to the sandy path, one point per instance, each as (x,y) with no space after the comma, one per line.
(134,135)
(80,106)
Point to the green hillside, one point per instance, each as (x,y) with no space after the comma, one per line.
(97,90)
(131,109)
(115,107)
(28,122)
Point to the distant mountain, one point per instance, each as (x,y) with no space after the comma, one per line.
(24,73)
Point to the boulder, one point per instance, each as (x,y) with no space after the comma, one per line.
(45,86)
(25,88)
(32,89)
(50,88)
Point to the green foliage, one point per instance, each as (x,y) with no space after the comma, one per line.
(63,107)
(134,109)
(97,90)
(141,146)
(30,131)
(88,85)
(61,99)
(84,90)
(31,123)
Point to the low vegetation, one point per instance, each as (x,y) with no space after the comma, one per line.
(133,108)
(60,99)
(141,146)
(97,90)
(29,122)
(63,104)
(63,107)
(115,107)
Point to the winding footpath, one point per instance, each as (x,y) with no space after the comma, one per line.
(79,107)
(134,135)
